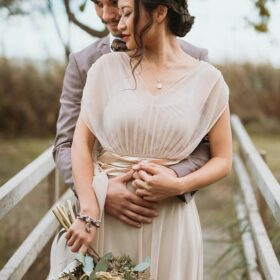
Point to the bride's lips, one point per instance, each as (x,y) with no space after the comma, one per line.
(125,37)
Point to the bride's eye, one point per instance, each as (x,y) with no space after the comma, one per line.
(127,14)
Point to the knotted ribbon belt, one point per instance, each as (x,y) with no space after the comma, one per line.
(114,164)
(111,165)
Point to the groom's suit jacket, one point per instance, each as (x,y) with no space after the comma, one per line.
(73,84)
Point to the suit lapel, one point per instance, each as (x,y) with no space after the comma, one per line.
(105,45)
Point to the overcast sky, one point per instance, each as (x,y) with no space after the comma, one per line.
(220,26)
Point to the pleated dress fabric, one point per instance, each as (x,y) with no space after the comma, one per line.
(129,121)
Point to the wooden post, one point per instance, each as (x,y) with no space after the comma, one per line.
(261,201)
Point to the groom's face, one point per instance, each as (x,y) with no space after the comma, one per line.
(108,12)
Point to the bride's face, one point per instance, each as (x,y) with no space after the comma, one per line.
(126,25)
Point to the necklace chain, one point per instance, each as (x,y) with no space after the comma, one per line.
(159,83)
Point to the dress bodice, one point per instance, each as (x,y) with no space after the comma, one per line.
(127,120)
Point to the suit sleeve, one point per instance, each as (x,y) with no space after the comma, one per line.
(196,160)
(204,55)
(70,102)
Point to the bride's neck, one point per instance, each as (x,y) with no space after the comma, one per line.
(164,51)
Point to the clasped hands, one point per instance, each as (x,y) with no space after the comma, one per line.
(152,183)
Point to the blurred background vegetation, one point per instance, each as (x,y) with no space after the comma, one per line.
(29,96)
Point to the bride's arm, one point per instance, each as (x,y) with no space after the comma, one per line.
(82,167)
(216,168)
(219,165)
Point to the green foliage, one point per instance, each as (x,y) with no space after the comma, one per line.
(89,265)
(108,267)
(102,265)
(143,265)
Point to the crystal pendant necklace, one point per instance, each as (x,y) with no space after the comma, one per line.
(159,84)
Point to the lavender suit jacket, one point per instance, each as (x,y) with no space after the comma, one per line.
(73,84)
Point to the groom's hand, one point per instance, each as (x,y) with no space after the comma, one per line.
(127,206)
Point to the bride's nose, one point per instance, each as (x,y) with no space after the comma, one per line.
(121,25)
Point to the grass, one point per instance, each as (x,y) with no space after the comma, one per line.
(17,153)
(222,247)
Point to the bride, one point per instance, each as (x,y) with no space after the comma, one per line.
(154,103)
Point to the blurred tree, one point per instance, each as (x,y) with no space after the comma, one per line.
(264,15)
(16,7)
(72,18)
(73,7)
(27,7)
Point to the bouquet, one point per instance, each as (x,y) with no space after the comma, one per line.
(93,267)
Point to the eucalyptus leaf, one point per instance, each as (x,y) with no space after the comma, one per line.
(102,265)
(88,266)
(93,276)
(107,256)
(81,258)
(143,265)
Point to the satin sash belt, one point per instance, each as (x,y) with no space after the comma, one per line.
(111,165)
(114,164)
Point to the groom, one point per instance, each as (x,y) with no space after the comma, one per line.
(120,203)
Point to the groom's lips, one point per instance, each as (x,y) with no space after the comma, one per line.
(112,24)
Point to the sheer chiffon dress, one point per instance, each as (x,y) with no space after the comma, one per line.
(131,125)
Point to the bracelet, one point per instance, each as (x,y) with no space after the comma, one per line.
(89,221)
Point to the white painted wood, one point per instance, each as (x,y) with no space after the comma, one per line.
(26,180)
(266,255)
(264,178)
(26,254)
(57,185)
(247,240)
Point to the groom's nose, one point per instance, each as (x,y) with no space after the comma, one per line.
(110,13)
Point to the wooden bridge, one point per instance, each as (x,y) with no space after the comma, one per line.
(250,169)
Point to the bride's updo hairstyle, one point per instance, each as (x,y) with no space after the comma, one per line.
(179,21)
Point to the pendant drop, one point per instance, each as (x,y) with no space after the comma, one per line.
(159,85)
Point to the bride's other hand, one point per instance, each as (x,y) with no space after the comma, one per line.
(154,182)
(79,240)
(127,206)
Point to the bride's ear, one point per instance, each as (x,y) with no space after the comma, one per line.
(160,13)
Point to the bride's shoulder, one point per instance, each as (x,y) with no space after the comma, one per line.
(113,57)
(110,61)
(210,71)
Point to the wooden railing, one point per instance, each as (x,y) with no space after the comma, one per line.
(12,193)
(260,256)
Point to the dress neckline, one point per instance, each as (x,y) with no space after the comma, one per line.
(189,71)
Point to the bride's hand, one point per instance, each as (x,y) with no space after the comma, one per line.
(79,240)
(155,182)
